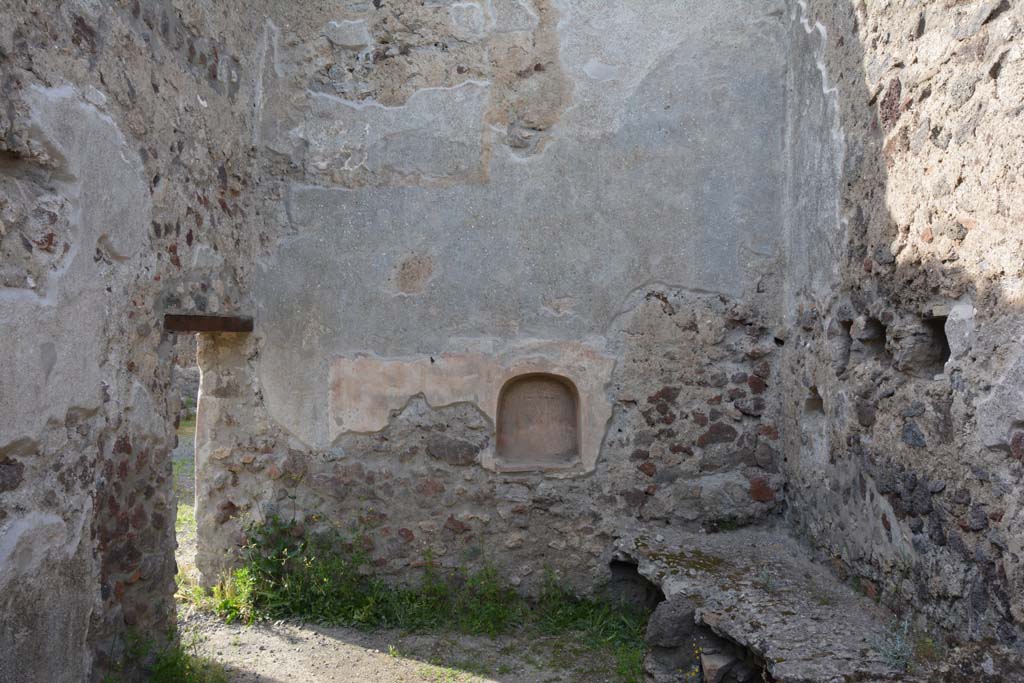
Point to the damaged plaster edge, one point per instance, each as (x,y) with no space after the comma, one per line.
(45,103)
(404,407)
(268,49)
(510,155)
(45,532)
(95,171)
(31,546)
(492,26)
(831,91)
(637,294)
(359,105)
(366,391)
(555,132)
(809,28)
(64,178)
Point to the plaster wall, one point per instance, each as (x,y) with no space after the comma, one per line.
(474,192)
(635,181)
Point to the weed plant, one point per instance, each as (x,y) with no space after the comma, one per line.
(176,662)
(325,579)
(895,645)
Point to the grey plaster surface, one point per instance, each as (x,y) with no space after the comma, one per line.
(815,231)
(50,375)
(49,366)
(666,167)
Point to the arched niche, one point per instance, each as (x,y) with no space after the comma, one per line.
(538,424)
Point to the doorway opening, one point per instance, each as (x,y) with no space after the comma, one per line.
(185,379)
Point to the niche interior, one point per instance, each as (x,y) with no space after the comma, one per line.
(538,424)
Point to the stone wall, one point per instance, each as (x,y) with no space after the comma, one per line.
(475,192)
(370,324)
(772,245)
(690,443)
(123,194)
(899,371)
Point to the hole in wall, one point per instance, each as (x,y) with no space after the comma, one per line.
(538,424)
(847,326)
(185,383)
(627,586)
(872,336)
(939,342)
(868,341)
(814,428)
(413,274)
(814,404)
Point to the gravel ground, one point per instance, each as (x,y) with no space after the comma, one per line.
(300,653)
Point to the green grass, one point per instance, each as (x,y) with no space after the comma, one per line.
(324,579)
(601,626)
(187,578)
(179,665)
(177,662)
(187,428)
(185,522)
(928,648)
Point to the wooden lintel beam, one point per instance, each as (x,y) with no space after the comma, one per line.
(188,322)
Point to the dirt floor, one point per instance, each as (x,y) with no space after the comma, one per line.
(304,653)
(286,652)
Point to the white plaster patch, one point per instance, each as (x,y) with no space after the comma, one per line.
(204,256)
(960,329)
(513,15)
(437,134)
(468,22)
(95,97)
(25,542)
(999,412)
(600,71)
(351,35)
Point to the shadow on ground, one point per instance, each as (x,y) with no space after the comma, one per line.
(294,653)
